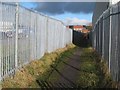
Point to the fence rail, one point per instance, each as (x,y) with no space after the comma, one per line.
(26,35)
(106,39)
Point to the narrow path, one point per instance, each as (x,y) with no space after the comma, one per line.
(68,76)
(80,69)
(71,70)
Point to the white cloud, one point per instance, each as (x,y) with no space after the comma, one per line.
(76,21)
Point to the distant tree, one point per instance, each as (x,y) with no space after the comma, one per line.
(84,26)
(71,27)
(89,27)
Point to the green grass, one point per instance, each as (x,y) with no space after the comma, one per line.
(88,80)
(88,76)
(94,72)
(26,76)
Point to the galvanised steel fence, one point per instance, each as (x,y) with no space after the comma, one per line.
(26,35)
(106,39)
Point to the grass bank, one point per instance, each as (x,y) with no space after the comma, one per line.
(93,71)
(26,77)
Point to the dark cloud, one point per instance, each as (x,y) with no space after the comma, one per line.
(84,7)
(54,8)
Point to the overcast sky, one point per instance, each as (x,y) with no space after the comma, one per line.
(69,12)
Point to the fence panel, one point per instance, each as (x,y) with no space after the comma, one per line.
(114,43)
(37,34)
(118,42)
(106,35)
(106,39)
(7,45)
(23,36)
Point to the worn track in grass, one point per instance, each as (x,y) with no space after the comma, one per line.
(67,76)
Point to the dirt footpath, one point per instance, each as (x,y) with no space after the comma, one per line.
(68,75)
(80,69)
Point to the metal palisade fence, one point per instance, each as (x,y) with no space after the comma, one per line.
(26,35)
(106,39)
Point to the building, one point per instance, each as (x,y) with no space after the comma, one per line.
(85,31)
(100,7)
(78,28)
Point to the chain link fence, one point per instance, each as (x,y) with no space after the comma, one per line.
(106,39)
(26,35)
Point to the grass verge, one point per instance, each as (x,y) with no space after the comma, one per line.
(26,77)
(94,72)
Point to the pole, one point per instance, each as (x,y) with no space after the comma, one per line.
(0,47)
(16,36)
(110,41)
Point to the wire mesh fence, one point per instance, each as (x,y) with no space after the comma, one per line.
(106,39)
(26,35)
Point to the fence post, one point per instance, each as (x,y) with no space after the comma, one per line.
(46,50)
(103,38)
(0,45)
(16,35)
(110,40)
